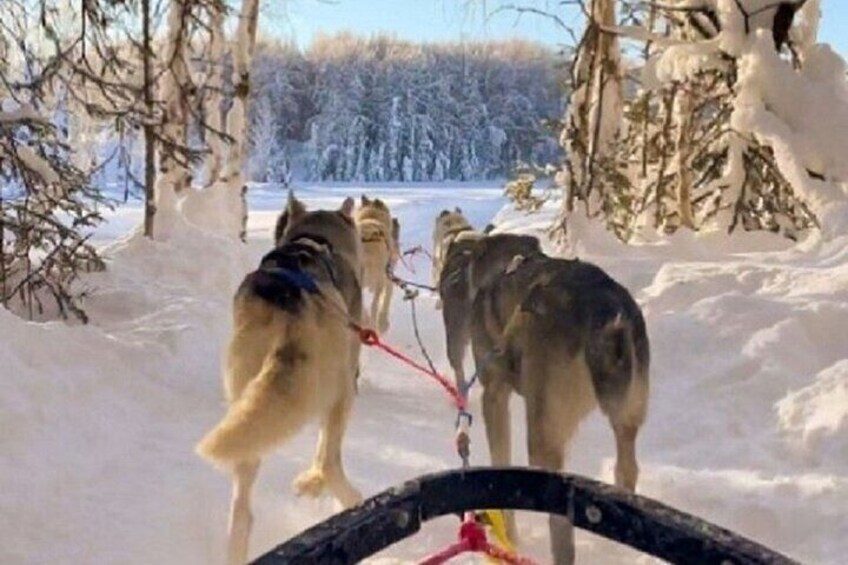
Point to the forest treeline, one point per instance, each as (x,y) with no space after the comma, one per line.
(350,108)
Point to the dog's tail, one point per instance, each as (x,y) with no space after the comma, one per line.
(612,360)
(273,407)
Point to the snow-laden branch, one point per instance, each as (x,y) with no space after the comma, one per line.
(38,165)
(803,115)
(23,113)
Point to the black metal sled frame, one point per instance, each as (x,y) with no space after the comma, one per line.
(642,523)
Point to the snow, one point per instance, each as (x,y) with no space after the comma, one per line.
(747,425)
(819,412)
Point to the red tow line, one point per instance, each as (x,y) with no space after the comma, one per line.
(472,536)
(370,338)
(472,539)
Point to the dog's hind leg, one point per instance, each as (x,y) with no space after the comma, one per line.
(385,296)
(327,470)
(457,335)
(241,517)
(626,468)
(436,273)
(546,444)
(499,436)
(373,313)
(336,424)
(558,394)
(546,449)
(625,419)
(620,380)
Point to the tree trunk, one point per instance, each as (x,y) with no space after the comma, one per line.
(594,110)
(237,120)
(212,110)
(606,101)
(683,157)
(173,166)
(149,140)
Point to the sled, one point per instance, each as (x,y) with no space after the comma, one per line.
(637,521)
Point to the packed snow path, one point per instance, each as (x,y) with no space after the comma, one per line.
(748,425)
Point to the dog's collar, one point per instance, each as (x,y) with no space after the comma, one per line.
(296,277)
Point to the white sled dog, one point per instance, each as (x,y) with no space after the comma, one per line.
(292,358)
(379,234)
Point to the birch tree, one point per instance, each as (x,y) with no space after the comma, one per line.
(234,177)
(595,108)
(222,206)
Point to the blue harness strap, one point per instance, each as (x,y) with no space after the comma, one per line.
(297,278)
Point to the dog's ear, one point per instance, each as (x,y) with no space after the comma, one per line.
(458,210)
(347,207)
(379,203)
(364,200)
(280,228)
(444,213)
(488,229)
(294,208)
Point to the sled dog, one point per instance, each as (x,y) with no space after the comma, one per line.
(450,226)
(291,358)
(469,265)
(379,233)
(566,337)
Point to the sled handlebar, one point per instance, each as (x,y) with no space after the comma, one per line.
(637,521)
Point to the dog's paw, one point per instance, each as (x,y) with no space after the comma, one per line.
(310,483)
(349,496)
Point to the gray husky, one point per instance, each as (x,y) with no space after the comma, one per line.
(291,358)
(566,337)
(471,264)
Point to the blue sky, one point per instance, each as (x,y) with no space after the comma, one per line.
(446,20)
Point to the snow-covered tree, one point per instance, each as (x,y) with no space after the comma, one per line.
(48,206)
(263,141)
(222,206)
(678,156)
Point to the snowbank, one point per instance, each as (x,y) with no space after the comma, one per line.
(98,421)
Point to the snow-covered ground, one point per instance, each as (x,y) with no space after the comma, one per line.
(748,425)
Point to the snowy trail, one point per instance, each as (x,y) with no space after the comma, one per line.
(748,424)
